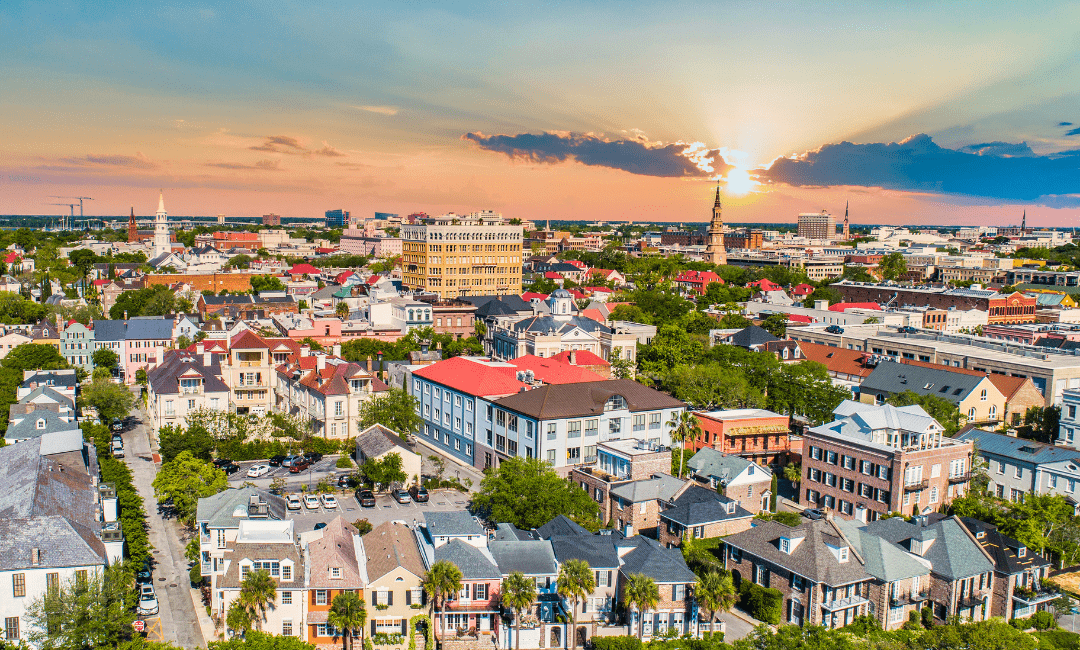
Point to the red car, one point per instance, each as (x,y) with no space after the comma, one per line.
(299,466)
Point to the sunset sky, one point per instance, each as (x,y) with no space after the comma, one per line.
(916,112)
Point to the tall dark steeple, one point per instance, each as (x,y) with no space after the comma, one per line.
(133,232)
(1023,224)
(715,240)
(847,227)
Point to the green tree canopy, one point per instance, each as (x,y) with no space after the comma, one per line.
(528,493)
(106,358)
(187,479)
(386,470)
(254,640)
(95,612)
(394,409)
(111,401)
(945,412)
(261,283)
(892,266)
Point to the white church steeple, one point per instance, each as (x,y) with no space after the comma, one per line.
(161,228)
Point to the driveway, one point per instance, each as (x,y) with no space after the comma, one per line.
(738,624)
(178,622)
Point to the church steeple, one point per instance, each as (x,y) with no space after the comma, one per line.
(1023,224)
(847,227)
(717,204)
(133,232)
(715,239)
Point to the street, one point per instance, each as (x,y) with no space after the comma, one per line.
(177,619)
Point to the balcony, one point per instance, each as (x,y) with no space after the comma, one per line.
(974,599)
(844,603)
(191,390)
(960,478)
(1034,596)
(251,364)
(917,485)
(911,598)
(111,532)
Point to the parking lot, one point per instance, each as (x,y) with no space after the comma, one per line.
(386,508)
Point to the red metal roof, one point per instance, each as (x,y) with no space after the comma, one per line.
(555,370)
(802,290)
(844,306)
(472,377)
(304,269)
(247,340)
(552,275)
(529,295)
(584,358)
(699,277)
(765,284)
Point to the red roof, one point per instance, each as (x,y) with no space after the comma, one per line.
(594,314)
(799,318)
(304,269)
(11,257)
(100,283)
(342,277)
(552,275)
(374,279)
(325,250)
(555,370)
(472,377)
(532,295)
(802,290)
(583,357)
(844,306)
(765,284)
(599,289)
(576,294)
(699,277)
(578,263)
(247,340)
(602,272)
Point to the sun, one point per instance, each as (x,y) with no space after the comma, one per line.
(738,182)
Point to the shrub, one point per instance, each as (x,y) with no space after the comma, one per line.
(617,643)
(763,604)
(1043,620)
(913,621)
(792,519)
(195,574)
(363,526)
(863,625)
(927,617)
(1058,640)
(343,462)
(1021,623)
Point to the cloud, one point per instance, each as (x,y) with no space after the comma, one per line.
(995,170)
(1075,131)
(636,155)
(1064,123)
(138,161)
(381,110)
(264,165)
(274,144)
(328,151)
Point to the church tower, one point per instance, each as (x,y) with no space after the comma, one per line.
(847,227)
(133,230)
(161,228)
(715,246)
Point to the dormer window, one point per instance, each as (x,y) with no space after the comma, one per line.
(1021,552)
(335,572)
(750,470)
(731,508)
(980,534)
(41,423)
(785,545)
(843,554)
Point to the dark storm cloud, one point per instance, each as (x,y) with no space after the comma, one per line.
(637,156)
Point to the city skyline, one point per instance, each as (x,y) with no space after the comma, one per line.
(601,111)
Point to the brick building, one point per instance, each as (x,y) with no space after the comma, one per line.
(1001,308)
(455,317)
(746,239)
(216,282)
(617,462)
(755,434)
(873,460)
(744,481)
(701,513)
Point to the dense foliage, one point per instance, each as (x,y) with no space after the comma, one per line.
(528,493)
(945,412)
(132,513)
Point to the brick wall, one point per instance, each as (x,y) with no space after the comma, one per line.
(216,282)
(749,494)
(669,537)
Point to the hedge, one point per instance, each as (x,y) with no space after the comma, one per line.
(132,514)
(763,604)
(616,643)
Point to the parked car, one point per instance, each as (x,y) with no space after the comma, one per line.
(231,468)
(117,438)
(292,502)
(401,496)
(834,329)
(347,481)
(366,498)
(311,502)
(118,451)
(299,466)
(419,493)
(907,329)
(328,500)
(145,573)
(255,471)
(117,426)
(813,513)
(288,461)
(222,462)
(275,461)
(148,603)
(313,456)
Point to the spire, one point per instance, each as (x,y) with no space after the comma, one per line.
(161,202)
(717,204)
(1023,223)
(846,204)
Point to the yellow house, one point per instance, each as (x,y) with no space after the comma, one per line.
(45,333)
(978,399)
(395,573)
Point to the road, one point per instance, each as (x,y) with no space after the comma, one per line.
(178,623)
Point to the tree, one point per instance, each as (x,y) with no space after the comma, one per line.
(395,409)
(238,618)
(1041,423)
(575,583)
(793,473)
(670,346)
(826,293)
(622,368)
(519,594)
(342,310)
(775,324)
(641,594)
(443,580)
(106,358)
(238,262)
(258,593)
(385,471)
(172,440)
(95,612)
(684,426)
(260,283)
(715,592)
(710,386)
(111,401)
(185,480)
(528,493)
(892,266)
(631,313)
(347,614)
(141,377)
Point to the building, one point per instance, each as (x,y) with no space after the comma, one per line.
(715,250)
(333,556)
(619,462)
(636,505)
(758,435)
(395,573)
(873,460)
(145,342)
(325,391)
(11,340)
(817,225)
(1017,466)
(162,243)
(454,317)
(961,570)
(455,257)
(701,513)
(182,384)
(745,239)
(1000,308)
(697,281)
(376,442)
(110,335)
(249,374)
(822,579)
(976,396)
(599,551)
(271,219)
(675,610)
(1018,573)
(77,345)
(744,481)
(337,218)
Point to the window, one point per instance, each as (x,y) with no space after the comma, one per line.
(573,429)
(52,583)
(338,411)
(286,572)
(785,545)
(815,453)
(934,494)
(480,591)
(615,427)
(639,422)
(551,456)
(678,592)
(551,431)
(573,454)
(286,627)
(654,420)
(18,585)
(320,596)
(1019,472)
(286,598)
(883,472)
(11,628)
(749,491)
(982,396)
(591,427)
(1001,467)
(335,572)
(830,457)
(866,467)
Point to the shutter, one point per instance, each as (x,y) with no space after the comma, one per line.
(608,579)
(405,627)
(408,596)
(373,627)
(476,592)
(390,597)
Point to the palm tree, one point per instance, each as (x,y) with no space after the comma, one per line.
(641,594)
(443,580)
(348,614)
(793,473)
(684,426)
(258,591)
(576,582)
(519,593)
(714,592)
(238,618)
(342,310)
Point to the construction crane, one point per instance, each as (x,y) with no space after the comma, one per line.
(80,199)
(64,225)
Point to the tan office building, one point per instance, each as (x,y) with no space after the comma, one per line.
(462,256)
(817,225)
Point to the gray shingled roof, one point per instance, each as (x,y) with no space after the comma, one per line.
(164,378)
(662,487)
(46,391)
(546,323)
(110,330)
(149,329)
(26,426)
(749,336)
(952,551)
(453,523)
(474,563)
(507,532)
(553,401)
(892,377)
(1018,448)
(659,563)
(1002,548)
(60,542)
(712,463)
(377,440)
(598,550)
(561,525)
(700,506)
(531,557)
(58,378)
(219,510)
(811,558)
(884,560)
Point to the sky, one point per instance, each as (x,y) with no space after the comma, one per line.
(954,113)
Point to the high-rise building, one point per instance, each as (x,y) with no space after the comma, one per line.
(715,246)
(161,228)
(337,218)
(462,256)
(817,225)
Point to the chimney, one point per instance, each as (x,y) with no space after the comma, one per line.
(573,357)
(337,349)
(821,305)
(125,315)
(35,556)
(200,348)
(305,351)
(207,359)
(320,362)
(369,364)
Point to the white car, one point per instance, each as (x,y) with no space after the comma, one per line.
(311,502)
(328,501)
(255,471)
(292,502)
(148,603)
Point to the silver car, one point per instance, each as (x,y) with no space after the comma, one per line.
(148,603)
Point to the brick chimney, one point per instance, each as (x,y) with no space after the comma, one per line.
(369,364)
(573,357)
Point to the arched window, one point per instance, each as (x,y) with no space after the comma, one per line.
(410,314)
(971,413)
(983,395)
(993,413)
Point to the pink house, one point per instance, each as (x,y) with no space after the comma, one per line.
(145,344)
(323,330)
